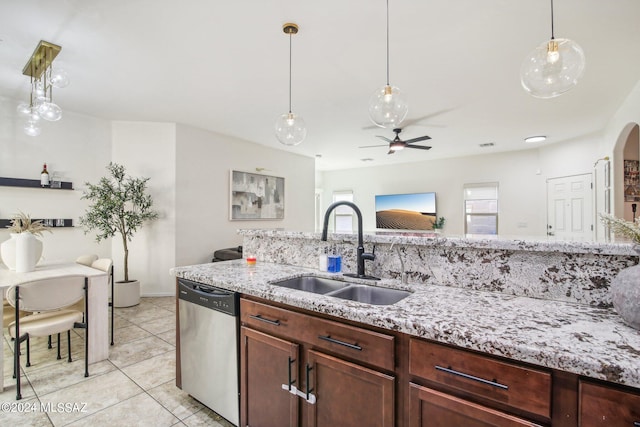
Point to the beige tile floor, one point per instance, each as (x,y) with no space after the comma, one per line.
(134,387)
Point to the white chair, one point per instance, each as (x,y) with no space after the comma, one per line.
(48,298)
(86,259)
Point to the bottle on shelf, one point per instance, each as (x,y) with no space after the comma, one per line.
(44,176)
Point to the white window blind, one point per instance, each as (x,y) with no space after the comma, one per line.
(343,215)
(481,208)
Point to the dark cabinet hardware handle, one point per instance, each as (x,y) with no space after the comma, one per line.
(471,377)
(309,389)
(291,382)
(636,424)
(262,319)
(335,341)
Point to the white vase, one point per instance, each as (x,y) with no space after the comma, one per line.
(8,250)
(625,294)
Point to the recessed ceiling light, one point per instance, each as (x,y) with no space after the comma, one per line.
(538,138)
(487,144)
(318,156)
(367,159)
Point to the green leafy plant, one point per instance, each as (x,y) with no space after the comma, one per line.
(438,224)
(622,227)
(118,204)
(22,223)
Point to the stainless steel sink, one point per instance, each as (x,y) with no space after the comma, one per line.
(371,294)
(317,285)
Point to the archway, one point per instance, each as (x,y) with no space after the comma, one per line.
(626,172)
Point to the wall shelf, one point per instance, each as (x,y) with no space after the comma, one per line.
(32,183)
(53,222)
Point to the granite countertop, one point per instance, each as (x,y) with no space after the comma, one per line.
(569,337)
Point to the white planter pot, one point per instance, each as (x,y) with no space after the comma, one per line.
(126,294)
(30,248)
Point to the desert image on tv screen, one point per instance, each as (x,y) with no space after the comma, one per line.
(415,211)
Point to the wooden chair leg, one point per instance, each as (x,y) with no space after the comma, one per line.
(69,346)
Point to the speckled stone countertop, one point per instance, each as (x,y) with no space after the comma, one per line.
(576,338)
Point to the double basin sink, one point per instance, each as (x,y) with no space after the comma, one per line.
(349,291)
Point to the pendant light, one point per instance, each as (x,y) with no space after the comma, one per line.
(552,68)
(290,127)
(388,106)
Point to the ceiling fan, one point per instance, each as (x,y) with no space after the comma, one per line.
(397,144)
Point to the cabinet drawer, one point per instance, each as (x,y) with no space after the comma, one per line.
(355,343)
(435,409)
(472,374)
(606,406)
(277,321)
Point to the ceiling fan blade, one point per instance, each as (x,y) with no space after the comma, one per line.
(421,138)
(421,147)
(391,152)
(371,146)
(417,120)
(384,138)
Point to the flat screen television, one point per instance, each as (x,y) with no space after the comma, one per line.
(415,211)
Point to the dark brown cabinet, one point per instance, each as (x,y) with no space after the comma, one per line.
(266,364)
(300,370)
(606,406)
(473,388)
(431,408)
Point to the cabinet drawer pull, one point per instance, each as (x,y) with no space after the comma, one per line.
(335,341)
(265,320)
(471,377)
(291,382)
(636,424)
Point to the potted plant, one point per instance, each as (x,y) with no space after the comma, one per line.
(119,204)
(23,251)
(438,224)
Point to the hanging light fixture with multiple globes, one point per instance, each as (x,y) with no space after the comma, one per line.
(388,106)
(290,127)
(552,68)
(43,79)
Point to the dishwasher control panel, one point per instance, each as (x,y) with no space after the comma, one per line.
(209,296)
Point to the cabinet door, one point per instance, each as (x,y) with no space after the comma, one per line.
(431,408)
(605,406)
(348,394)
(267,363)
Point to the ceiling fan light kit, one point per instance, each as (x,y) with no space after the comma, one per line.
(552,68)
(290,128)
(388,106)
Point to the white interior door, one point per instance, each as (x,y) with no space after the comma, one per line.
(570,207)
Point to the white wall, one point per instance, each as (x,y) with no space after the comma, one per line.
(78,147)
(521,176)
(149,150)
(203,164)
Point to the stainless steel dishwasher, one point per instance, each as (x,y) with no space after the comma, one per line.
(209,352)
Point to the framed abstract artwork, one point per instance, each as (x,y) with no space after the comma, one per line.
(256,197)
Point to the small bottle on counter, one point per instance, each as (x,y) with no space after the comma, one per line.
(334,261)
(44,176)
(322,261)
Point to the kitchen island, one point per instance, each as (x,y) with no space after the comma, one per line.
(543,304)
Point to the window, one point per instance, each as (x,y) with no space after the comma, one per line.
(343,215)
(481,208)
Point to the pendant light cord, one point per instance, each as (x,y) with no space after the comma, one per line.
(388,42)
(290,56)
(552,31)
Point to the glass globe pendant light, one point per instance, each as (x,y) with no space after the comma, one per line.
(387,105)
(552,68)
(290,127)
